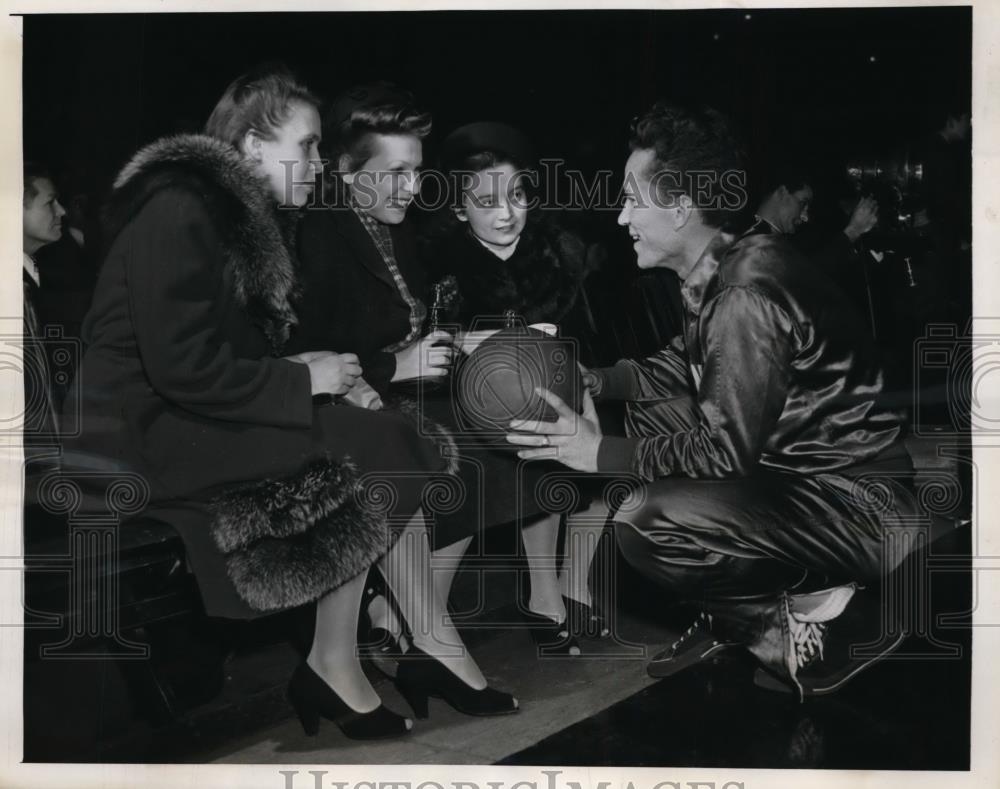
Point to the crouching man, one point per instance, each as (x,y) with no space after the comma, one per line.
(772,468)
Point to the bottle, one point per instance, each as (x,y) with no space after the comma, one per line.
(437,306)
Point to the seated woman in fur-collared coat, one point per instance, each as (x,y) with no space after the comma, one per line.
(184,383)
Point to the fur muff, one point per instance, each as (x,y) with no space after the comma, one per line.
(290,541)
(281,508)
(258,234)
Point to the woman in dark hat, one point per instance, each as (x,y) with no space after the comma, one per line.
(500,257)
(188,393)
(361,291)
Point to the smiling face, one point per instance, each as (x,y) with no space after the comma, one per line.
(651,221)
(42,216)
(289,160)
(495,205)
(385,185)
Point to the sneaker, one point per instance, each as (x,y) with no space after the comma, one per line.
(696,644)
(822,641)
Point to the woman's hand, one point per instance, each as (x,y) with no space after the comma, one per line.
(573,439)
(329,373)
(429,357)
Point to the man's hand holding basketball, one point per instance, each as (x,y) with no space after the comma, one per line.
(573,439)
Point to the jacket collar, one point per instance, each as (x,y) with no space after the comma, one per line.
(31,269)
(760,226)
(361,243)
(704,272)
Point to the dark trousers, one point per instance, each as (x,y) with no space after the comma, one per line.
(754,537)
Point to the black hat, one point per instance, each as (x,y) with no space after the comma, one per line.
(486,136)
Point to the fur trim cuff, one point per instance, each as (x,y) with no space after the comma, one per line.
(290,541)
(281,508)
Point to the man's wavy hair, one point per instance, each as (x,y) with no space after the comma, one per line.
(259,100)
(688,141)
(354,118)
(33,172)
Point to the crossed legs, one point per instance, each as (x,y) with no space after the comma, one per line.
(333,654)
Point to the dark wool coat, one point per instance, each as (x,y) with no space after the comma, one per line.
(348,301)
(540,281)
(180,384)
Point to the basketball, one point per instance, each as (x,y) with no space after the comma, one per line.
(496,382)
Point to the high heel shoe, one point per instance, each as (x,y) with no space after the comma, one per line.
(377,637)
(313,699)
(552,638)
(584,621)
(421,676)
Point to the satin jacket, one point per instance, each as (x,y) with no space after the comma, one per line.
(778,365)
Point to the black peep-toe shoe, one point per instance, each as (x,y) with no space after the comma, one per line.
(552,638)
(376,638)
(421,676)
(584,621)
(313,699)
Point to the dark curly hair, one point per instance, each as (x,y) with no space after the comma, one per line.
(355,117)
(698,150)
(33,171)
(792,174)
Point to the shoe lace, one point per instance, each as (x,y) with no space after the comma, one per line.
(701,623)
(808,640)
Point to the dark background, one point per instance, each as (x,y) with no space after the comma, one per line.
(830,87)
(96,87)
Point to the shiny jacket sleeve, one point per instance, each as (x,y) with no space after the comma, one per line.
(662,376)
(748,343)
(177,288)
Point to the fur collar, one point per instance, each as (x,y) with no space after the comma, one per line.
(540,281)
(256,236)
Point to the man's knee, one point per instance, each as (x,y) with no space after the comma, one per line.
(656,546)
(673,532)
(632,543)
(640,528)
(662,511)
